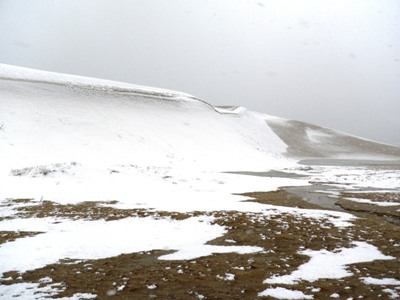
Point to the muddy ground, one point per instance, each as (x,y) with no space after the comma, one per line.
(143,276)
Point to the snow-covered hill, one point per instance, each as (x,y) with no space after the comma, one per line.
(59,119)
(48,118)
(70,138)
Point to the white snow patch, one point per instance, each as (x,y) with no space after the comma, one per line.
(121,287)
(200,296)
(393,294)
(380,281)
(101,239)
(35,292)
(230,241)
(79,296)
(185,190)
(334,263)
(151,286)
(282,293)
(368,201)
(45,280)
(227,277)
(193,251)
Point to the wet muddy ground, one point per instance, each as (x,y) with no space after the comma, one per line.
(220,276)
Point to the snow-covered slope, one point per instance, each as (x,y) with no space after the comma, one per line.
(68,119)
(71,139)
(48,118)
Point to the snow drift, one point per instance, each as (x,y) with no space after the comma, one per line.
(48,118)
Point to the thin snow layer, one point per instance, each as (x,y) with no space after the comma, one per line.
(282,293)
(355,177)
(330,265)
(33,291)
(100,239)
(142,187)
(27,291)
(380,281)
(316,136)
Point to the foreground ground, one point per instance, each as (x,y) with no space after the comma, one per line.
(300,256)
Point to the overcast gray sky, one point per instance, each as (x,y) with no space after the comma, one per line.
(332,63)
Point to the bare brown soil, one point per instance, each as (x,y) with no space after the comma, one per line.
(90,210)
(143,276)
(9,236)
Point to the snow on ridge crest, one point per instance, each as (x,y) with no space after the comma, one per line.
(33,75)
